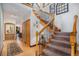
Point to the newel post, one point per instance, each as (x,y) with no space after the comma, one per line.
(73,42)
(73,37)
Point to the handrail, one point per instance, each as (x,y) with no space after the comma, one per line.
(44,28)
(38,5)
(47,5)
(50,14)
(45,12)
(51,17)
(73,37)
(28,4)
(47,25)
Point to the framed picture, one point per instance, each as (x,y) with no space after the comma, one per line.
(52,8)
(9,28)
(61,8)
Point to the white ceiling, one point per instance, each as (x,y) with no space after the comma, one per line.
(17,12)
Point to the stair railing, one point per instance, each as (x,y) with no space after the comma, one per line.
(51,20)
(73,37)
(42,39)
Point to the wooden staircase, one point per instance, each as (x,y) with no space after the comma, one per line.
(62,44)
(59,45)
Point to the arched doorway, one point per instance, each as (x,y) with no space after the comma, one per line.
(10,31)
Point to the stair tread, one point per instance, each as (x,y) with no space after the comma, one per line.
(66,50)
(49,53)
(62,36)
(59,45)
(64,32)
(60,41)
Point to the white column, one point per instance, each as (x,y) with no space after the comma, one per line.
(1,26)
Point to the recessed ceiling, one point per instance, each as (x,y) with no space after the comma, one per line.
(18,12)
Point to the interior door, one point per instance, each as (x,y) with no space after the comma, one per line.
(26,33)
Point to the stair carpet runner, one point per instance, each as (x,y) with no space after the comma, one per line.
(59,45)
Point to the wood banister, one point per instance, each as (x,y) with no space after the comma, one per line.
(73,37)
(46,24)
(44,28)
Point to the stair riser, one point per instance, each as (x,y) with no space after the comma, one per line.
(43,54)
(61,47)
(63,34)
(62,38)
(61,44)
(58,51)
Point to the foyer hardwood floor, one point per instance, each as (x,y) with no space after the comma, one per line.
(27,51)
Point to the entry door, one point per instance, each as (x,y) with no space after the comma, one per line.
(10,32)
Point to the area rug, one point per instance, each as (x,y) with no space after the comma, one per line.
(13,49)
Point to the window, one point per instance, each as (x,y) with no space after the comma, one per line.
(61,8)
